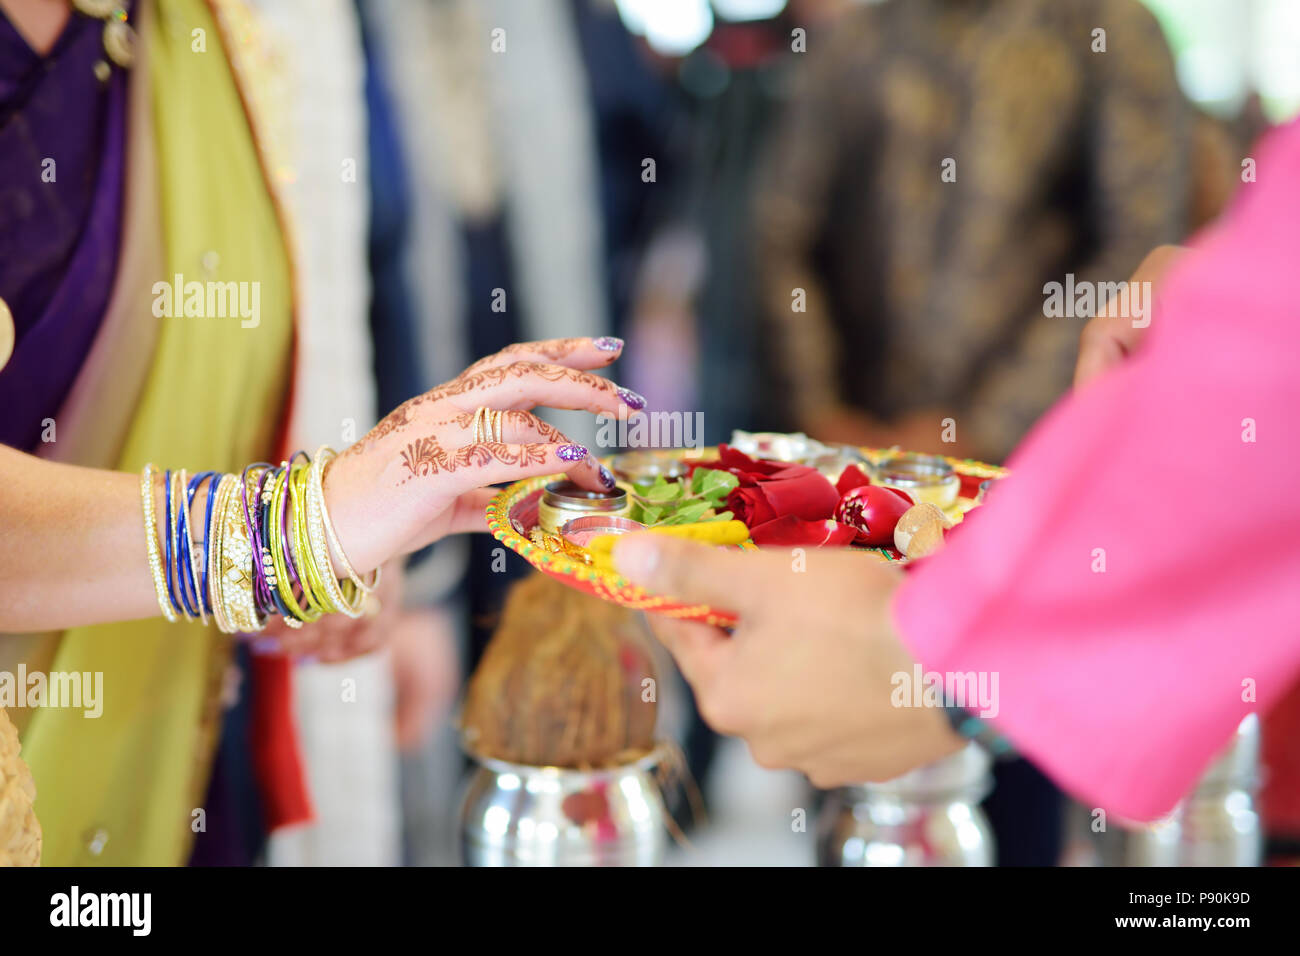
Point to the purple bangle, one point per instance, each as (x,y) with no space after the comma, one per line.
(266,522)
(265,571)
(254,537)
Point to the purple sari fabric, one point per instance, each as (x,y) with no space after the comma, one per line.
(62,153)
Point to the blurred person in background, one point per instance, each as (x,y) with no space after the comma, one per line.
(696,300)
(635,114)
(940,162)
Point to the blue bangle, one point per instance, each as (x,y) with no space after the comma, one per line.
(207,536)
(167,543)
(189,585)
(184,571)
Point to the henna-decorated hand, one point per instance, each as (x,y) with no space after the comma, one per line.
(419,474)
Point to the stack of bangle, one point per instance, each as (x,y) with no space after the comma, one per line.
(264,550)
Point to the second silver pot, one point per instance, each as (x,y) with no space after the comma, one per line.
(517,815)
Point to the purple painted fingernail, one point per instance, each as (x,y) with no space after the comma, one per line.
(608,343)
(571,452)
(631,399)
(607,478)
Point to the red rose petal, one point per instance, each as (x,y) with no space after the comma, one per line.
(789,531)
(852,477)
(901,493)
(809,495)
(749,505)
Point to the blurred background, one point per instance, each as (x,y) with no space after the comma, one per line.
(818,215)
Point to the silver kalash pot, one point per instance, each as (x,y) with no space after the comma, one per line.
(927,817)
(1137,844)
(1220,823)
(517,815)
(1215,825)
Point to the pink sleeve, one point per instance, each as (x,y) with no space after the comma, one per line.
(1135,583)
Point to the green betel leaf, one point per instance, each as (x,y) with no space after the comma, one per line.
(712,484)
(689,512)
(663,491)
(650,516)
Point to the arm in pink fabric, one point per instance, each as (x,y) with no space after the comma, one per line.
(1122,684)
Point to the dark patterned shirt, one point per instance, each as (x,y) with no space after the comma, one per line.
(926,293)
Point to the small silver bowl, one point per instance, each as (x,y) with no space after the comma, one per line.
(563,500)
(837,458)
(924,477)
(580,531)
(778,446)
(647,465)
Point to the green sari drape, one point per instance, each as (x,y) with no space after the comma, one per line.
(124,789)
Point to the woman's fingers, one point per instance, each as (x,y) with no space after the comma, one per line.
(572,353)
(519,427)
(524,385)
(467,511)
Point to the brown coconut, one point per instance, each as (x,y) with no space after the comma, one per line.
(567,680)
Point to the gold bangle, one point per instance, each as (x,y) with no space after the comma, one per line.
(216,548)
(320,549)
(324,458)
(313,590)
(237,562)
(151,542)
(212,548)
(279,559)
